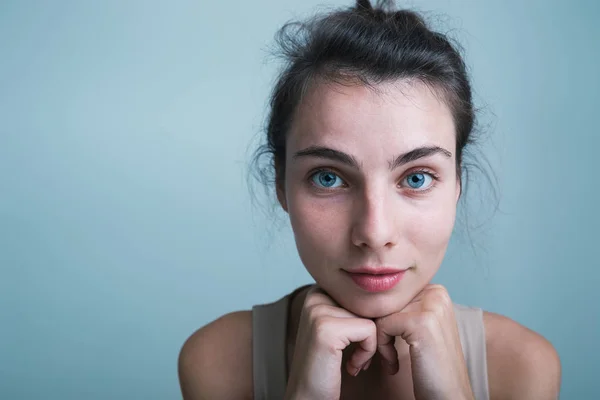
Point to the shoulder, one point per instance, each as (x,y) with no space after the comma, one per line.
(215,362)
(522,364)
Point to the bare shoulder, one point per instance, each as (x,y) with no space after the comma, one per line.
(522,364)
(215,362)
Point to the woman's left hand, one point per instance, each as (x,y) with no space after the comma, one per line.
(428,325)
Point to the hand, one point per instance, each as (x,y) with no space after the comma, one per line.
(324,331)
(428,325)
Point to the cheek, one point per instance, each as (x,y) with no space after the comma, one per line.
(320,228)
(430,231)
(317,223)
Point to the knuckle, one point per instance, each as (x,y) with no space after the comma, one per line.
(311,313)
(428,320)
(316,296)
(321,328)
(315,312)
(310,300)
(441,300)
(437,286)
(372,325)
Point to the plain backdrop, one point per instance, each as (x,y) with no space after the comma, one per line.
(126,220)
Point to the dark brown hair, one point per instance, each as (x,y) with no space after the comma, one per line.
(372,44)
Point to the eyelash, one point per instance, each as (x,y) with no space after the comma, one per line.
(435,178)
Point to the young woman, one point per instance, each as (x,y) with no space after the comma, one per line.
(367,129)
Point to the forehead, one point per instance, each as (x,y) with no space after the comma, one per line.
(387,118)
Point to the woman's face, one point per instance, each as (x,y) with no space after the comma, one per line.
(370,181)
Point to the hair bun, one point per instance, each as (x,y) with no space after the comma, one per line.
(364,4)
(379,5)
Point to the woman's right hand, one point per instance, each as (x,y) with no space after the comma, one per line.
(324,331)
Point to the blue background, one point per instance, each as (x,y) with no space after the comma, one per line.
(126,223)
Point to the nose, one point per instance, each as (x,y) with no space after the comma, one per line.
(374,221)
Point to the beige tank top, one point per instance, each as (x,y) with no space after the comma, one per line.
(269,325)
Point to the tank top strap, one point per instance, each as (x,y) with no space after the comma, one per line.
(269,350)
(472,339)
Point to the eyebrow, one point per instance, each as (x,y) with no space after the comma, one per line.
(344,158)
(419,152)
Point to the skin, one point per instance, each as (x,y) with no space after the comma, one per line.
(371,217)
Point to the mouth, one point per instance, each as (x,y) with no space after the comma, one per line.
(376,280)
(376,270)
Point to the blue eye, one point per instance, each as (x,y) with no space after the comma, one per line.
(418,180)
(327,179)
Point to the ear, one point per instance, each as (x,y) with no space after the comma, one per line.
(458,187)
(280,184)
(281,195)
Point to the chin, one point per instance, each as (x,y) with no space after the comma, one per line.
(377,306)
(370,305)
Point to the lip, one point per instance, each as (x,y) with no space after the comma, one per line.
(375,270)
(382,280)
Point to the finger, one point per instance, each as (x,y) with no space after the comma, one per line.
(415,303)
(368,364)
(434,286)
(387,350)
(429,288)
(424,292)
(319,303)
(323,310)
(316,296)
(363,332)
(404,325)
(428,292)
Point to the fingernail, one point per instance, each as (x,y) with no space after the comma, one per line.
(367,364)
(356,372)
